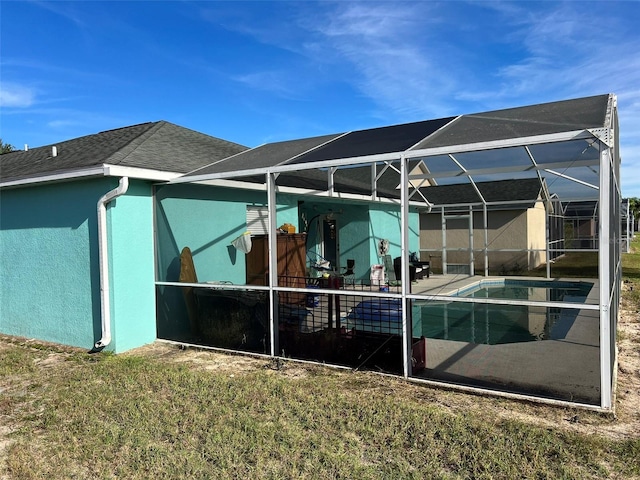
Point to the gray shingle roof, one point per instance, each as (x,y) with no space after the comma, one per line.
(159,146)
(498,191)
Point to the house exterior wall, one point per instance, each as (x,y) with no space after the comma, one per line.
(361,226)
(352,222)
(385,223)
(49,267)
(536,229)
(206,219)
(49,278)
(507,229)
(131,267)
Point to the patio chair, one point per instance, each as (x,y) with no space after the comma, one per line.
(349,275)
(417,269)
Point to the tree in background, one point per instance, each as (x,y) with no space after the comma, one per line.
(634,208)
(6,147)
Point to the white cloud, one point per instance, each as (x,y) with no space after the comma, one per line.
(386,46)
(16,96)
(57,124)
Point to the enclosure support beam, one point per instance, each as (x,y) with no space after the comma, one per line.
(605,278)
(547,207)
(273,260)
(547,237)
(444,240)
(485,222)
(374,182)
(404,257)
(629,233)
(472,270)
(330,184)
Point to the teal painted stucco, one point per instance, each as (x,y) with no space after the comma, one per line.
(360,227)
(131,267)
(385,223)
(49,263)
(352,224)
(206,219)
(49,277)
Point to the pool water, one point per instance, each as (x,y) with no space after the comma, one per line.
(533,290)
(498,324)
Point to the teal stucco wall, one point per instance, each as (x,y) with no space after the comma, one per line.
(49,264)
(206,219)
(131,267)
(49,280)
(385,223)
(360,227)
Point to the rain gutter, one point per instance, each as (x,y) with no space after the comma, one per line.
(103,251)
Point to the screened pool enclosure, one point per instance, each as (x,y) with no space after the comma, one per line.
(452,251)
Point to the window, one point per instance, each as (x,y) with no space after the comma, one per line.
(257,220)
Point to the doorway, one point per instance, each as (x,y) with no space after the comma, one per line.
(457,240)
(330,249)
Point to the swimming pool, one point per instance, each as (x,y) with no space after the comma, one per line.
(531,290)
(498,324)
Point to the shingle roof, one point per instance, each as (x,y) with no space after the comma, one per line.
(160,146)
(515,190)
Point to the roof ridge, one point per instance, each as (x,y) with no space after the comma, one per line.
(120,155)
(202,134)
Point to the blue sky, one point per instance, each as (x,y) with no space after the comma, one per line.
(256,72)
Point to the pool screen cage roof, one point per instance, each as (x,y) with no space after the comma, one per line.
(569,147)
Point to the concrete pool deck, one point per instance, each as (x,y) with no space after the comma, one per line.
(567,368)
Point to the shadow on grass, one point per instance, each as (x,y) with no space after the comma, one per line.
(631,273)
(571,265)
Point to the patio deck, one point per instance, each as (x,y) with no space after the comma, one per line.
(567,368)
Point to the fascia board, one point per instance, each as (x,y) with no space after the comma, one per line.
(100,171)
(56,177)
(140,173)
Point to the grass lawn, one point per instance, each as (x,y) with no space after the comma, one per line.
(192,414)
(571,265)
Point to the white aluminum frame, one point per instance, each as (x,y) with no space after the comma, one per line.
(608,274)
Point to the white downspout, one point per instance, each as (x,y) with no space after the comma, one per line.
(103,252)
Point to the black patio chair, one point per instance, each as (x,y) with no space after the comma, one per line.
(349,275)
